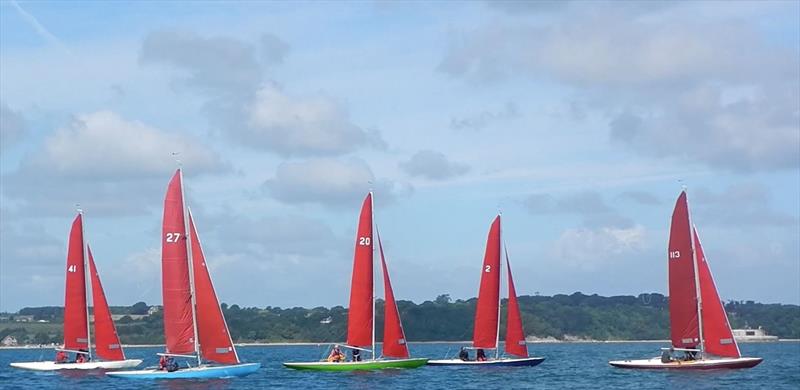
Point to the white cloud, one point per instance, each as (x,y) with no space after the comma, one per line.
(588,249)
(290,125)
(433,165)
(12,127)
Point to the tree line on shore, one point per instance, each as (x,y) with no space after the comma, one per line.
(562,317)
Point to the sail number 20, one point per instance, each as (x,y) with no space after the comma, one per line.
(173,237)
(363,241)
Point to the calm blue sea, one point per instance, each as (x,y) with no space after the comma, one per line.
(568,366)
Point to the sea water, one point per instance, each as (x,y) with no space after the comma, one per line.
(568,366)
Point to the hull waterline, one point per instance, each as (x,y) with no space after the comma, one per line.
(201,372)
(97,365)
(702,364)
(358,366)
(521,362)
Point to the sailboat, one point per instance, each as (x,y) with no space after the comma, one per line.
(361,314)
(699,330)
(486,334)
(77,332)
(194,326)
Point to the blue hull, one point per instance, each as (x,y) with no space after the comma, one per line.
(526,362)
(202,372)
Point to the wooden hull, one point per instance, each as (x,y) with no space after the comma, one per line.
(702,364)
(515,362)
(201,372)
(95,365)
(358,366)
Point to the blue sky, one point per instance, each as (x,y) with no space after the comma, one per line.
(579,120)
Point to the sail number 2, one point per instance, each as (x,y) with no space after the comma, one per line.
(488,268)
(675,254)
(364,241)
(173,237)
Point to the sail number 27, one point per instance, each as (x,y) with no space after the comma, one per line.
(173,237)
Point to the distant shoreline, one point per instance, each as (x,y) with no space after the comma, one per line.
(290,344)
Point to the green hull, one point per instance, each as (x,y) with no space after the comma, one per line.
(357,366)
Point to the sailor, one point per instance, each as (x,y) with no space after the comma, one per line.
(61,357)
(162,363)
(356,355)
(81,358)
(463,354)
(336,355)
(172,365)
(481,356)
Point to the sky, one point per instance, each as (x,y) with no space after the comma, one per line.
(579,120)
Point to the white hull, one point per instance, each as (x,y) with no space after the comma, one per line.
(97,365)
(502,362)
(702,364)
(201,372)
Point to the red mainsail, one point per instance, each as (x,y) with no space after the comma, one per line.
(215,341)
(176,295)
(394,340)
(106,340)
(359,320)
(717,335)
(75,315)
(684,328)
(515,336)
(486,313)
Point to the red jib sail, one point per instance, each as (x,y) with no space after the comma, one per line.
(75,322)
(684,328)
(359,320)
(215,341)
(717,336)
(106,340)
(394,340)
(515,336)
(176,295)
(486,313)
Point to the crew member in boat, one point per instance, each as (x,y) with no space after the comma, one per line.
(481,356)
(463,354)
(61,357)
(172,365)
(162,363)
(336,355)
(81,357)
(666,355)
(356,355)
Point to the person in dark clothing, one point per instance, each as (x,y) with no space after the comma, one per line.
(463,354)
(356,355)
(481,356)
(172,365)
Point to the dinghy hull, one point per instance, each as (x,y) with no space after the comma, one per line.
(358,366)
(98,365)
(522,362)
(202,372)
(702,364)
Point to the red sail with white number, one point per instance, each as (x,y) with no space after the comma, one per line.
(76,327)
(359,318)
(717,335)
(106,340)
(215,341)
(515,336)
(486,313)
(394,339)
(684,325)
(176,294)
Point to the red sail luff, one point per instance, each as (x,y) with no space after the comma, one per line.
(178,323)
(486,313)
(215,341)
(75,322)
(684,328)
(717,335)
(359,320)
(394,339)
(106,340)
(515,335)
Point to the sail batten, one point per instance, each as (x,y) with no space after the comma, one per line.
(360,313)
(487,310)
(106,339)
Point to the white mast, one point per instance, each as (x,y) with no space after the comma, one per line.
(696,279)
(499,280)
(86,285)
(372,245)
(191,269)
